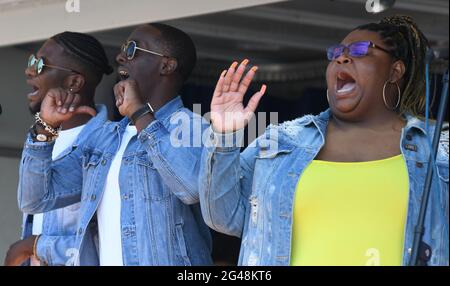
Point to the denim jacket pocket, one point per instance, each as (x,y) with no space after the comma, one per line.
(91,159)
(267,161)
(268,151)
(442,170)
(143,160)
(265,152)
(148,177)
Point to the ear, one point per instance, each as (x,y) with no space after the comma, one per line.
(169,65)
(398,70)
(75,82)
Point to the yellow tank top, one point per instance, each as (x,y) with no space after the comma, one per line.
(350,213)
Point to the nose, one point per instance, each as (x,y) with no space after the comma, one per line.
(344,58)
(120,58)
(30,72)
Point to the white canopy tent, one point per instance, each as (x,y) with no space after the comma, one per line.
(24,21)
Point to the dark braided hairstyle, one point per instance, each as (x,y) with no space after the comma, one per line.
(408,44)
(87,51)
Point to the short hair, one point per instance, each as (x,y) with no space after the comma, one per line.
(179,45)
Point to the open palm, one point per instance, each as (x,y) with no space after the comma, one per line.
(228,113)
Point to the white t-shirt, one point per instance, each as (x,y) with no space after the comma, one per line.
(108,213)
(65,139)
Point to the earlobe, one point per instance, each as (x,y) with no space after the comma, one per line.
(169,66)
(398,71)
(75,82)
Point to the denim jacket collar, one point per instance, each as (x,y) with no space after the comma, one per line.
(413,122)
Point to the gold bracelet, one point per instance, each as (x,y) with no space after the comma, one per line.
(47,127)
(34,247)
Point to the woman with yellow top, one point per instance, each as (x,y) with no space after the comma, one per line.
(340,188)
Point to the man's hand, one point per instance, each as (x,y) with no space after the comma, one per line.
(20,251)
(128,100)
(60,105)
(228,113)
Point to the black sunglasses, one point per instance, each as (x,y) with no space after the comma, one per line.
(130,47)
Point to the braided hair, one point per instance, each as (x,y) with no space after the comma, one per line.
(86,51)
(408,44)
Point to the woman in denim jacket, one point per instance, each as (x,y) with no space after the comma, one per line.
(340,188)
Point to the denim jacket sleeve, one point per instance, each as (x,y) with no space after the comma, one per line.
(177,164)
(44,184)
(54,250)
(225,182)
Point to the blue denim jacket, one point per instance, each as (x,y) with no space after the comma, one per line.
(161,221)
(251,195)
(60,225)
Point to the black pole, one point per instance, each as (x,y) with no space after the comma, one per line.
(419,230)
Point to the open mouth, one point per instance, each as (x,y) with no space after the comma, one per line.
(123,74)
(35,91)
(345,83)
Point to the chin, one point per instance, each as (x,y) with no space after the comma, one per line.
(34,108)
(344,109)
(346,105)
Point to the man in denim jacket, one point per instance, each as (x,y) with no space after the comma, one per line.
(137,188)
(48,69)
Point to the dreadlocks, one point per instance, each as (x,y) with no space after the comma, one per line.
(408,44)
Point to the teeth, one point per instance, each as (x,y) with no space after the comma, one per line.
(34,93)
(347,87)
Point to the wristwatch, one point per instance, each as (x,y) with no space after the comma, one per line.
(38,137)
(147,108)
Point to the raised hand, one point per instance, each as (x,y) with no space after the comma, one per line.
(60,105)
(128,100)
(228,113)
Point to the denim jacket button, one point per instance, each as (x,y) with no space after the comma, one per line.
(80,231)
(411,147)
(93,197)
(409,251)
(419,165)
(408,137)
(104,162)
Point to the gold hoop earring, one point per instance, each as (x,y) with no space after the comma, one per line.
(328,98)
(384,96)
